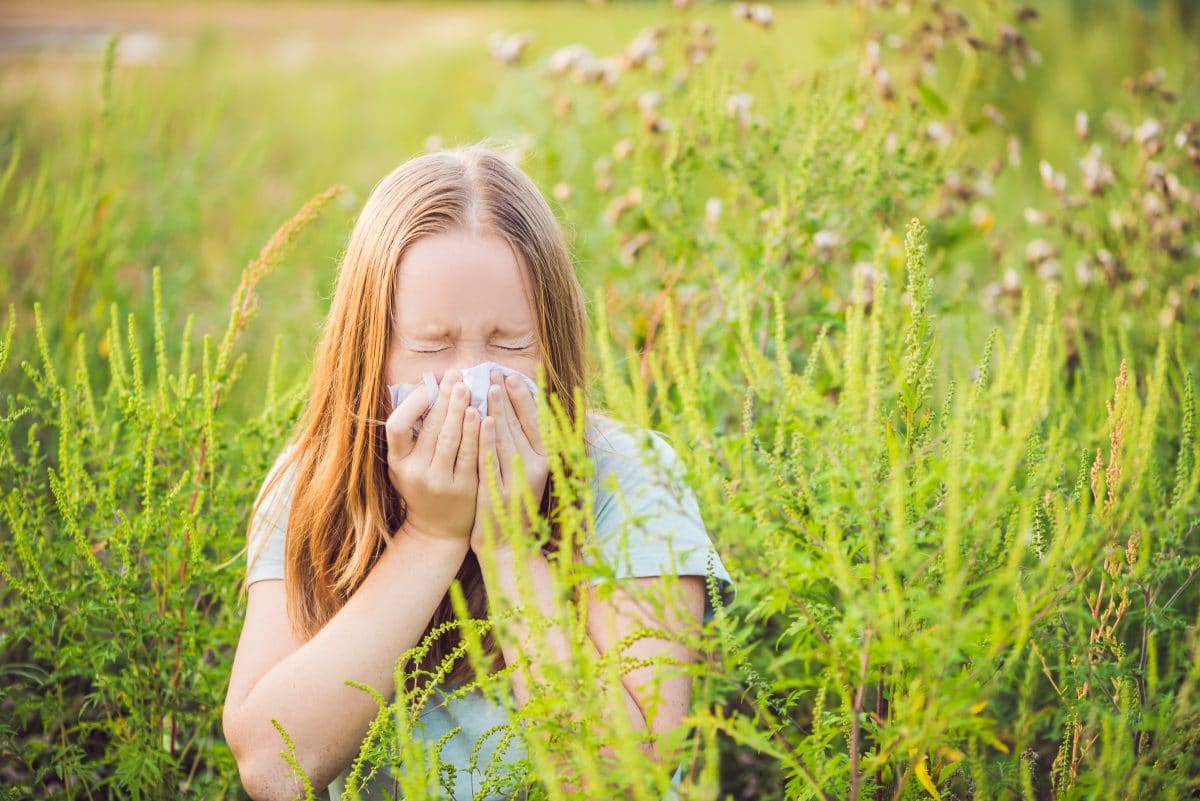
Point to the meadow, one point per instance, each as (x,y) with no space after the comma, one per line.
(911,286)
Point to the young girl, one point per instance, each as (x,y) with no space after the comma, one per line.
(455,265)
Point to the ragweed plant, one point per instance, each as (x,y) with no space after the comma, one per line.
(941,603)
(117,500)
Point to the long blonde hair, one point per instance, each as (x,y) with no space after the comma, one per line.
(344,507)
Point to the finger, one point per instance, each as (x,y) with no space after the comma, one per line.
(489,457)
(400,423)
(427,442)
(468,449)
(525,411)
(446,450)
(505,444)
(519,440)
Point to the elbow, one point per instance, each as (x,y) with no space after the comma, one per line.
(252,778)
(255,783)
(264,774)
(266,777)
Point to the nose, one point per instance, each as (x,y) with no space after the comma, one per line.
(462,360)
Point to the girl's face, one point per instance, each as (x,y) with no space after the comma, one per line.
(462,299)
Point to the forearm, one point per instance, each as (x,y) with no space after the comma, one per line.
(555,643)
(306,691)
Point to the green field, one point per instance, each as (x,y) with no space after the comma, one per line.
(912,288)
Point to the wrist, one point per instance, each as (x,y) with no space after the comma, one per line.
(501,553)
(507,561)
(431,540)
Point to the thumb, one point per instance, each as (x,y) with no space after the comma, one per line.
(400,423)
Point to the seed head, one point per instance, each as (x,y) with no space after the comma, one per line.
(508,48)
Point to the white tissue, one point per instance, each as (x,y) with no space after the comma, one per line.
(477,378)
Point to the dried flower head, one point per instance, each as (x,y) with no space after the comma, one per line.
(649,101)
(938,133)
(1036,217)
(631,248)
(712,212)
(759,14)
(1149,136)
(569,57)
(738,106)
(825,240)
(993,114)
(1085,272)
(863,271)
(1039,250)
(1097,174)
(1052,180)
(508,48)
(1013,148)
(622,148)
(1081,124)
(643,47)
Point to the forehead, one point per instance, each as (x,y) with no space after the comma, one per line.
(462,282)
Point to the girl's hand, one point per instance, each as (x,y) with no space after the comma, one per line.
(437,475)
(510,428)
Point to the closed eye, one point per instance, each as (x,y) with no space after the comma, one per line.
(519,347)
(418,350)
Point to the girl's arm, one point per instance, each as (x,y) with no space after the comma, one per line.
(511,431)
(654,706)
(302,685)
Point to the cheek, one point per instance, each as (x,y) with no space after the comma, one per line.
(404,368)
(526,364)
(521,362)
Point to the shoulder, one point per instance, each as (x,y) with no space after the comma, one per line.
(268,525)
(647,519)
(624,449)
(280,478)
(284,461)
(637,472)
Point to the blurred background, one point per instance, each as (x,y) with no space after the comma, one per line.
(220,119)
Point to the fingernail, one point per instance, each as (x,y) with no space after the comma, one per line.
(513,381)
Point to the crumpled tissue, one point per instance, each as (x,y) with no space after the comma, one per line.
(477,378)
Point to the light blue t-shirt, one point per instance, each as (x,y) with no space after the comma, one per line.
(647,523)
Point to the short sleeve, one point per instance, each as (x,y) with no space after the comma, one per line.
(647,519)
(268,527)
